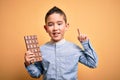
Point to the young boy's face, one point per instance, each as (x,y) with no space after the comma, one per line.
(56,26)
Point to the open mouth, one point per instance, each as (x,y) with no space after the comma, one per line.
(56,34)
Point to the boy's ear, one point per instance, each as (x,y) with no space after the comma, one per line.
(45,27)
(67,26)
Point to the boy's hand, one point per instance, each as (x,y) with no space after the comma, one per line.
(82,37)
(30,58)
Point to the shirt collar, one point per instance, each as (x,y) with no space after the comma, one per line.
(57,43)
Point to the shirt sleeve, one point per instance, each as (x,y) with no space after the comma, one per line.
(89,56)
(35,70)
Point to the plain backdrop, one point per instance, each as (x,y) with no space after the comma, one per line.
(99,19)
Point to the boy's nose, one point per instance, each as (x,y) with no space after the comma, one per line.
(56,27)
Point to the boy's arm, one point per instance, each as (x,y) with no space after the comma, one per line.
(34,69)
(88,57)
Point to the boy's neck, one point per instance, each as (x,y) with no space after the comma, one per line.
(58,42)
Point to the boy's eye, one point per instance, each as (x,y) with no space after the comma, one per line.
(60,23)
(50,24)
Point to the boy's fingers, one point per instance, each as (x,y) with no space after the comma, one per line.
(78,31)
(28,53)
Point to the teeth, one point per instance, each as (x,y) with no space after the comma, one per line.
(55,34)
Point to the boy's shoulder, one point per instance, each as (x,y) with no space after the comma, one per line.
(72,44)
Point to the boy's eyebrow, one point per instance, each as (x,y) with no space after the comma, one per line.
(59,21)
(50,22)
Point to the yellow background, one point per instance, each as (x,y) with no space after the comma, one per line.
(99,19)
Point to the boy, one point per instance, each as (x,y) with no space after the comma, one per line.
(59,60)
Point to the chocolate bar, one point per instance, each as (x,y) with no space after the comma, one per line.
(32,45)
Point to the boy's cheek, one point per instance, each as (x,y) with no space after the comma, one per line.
(47,30)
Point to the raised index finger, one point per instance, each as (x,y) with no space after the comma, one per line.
(78,31)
